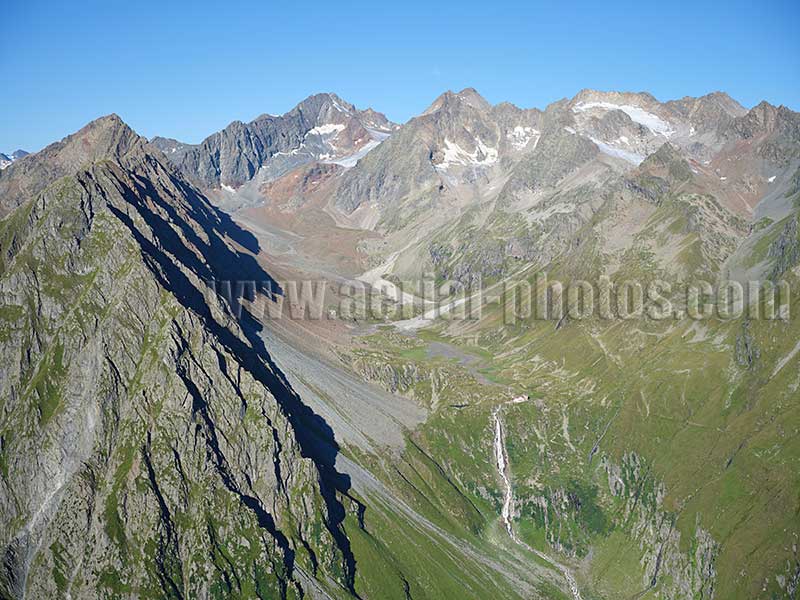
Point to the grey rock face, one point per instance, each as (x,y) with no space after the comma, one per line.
(105,138)
(172,148)
(322,127)
(785,250)
(149,445)
(746,350)
(459,139)
(677,573)
(766,118)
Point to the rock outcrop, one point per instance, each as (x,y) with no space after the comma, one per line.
(323,127)
(149,444)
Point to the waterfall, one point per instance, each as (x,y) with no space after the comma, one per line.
(501,458)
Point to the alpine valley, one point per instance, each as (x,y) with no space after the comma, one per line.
(162,436)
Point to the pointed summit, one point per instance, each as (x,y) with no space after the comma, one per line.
(764,118)
(323,127)
(467,96)
(473,98)
(711,112)
(107,137)
(322,102)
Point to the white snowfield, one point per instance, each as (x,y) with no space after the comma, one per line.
(292,152)
(326,129)
(339,107)
(637,114)
(6,161)
(627,155)
(351,161)
(520,136)
(455,155)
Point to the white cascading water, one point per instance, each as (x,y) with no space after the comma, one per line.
(502,466)
(508,497)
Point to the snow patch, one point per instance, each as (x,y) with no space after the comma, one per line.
(637,114)
(351,161)
(6,161)
(520,136)
(631,157)
(339,107)
(228,188)
(771,179)
(455,155)
(292,152)
(326,129)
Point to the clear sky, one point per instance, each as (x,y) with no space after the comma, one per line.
(185,70)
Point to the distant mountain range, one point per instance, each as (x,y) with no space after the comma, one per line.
(321,128)
(6,159)
(420,184)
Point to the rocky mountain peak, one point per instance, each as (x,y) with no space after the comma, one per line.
(456,100)
(587,95)
(711,112)
(723,100)
(473,98)
(321,128)
(765,118)
(8,159)
(324,104)
(107,137)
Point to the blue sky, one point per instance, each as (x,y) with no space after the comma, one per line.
(185,70)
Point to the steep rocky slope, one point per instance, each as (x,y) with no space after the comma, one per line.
(149,445)
(438,160)
(321,128)
(454,191)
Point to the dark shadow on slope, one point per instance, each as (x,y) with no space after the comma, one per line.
(314,436)
(222,262)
